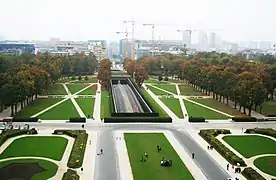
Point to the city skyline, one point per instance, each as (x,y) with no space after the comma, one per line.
(80,20)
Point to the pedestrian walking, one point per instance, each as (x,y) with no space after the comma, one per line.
(208,147)
(82,169)
(227,167)
(101,151)
(146,155)
(193,155)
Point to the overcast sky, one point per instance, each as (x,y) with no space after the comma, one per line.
(100,19)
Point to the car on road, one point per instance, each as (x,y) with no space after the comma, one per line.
(9,127)
(26,127)
(2,127)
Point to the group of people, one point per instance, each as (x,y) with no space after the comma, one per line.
(166,163)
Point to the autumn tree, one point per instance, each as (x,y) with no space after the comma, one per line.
(104,73)
(140,73)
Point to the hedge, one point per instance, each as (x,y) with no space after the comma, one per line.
(138,119)
(70,175)
(210,136)
(265,131)
(78,150)
(244,119)
(271,115)
(25,119)
(77,119)
(251,174)
(5,135)
(196,119)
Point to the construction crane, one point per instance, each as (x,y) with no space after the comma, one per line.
(132,39)
(152,48)
(126,35)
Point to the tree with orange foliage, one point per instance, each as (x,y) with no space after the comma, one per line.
(104,73)
(141,73)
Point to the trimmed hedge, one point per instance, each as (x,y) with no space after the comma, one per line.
(244,119)
(251,174)
(265,131)
(209,135)
(25,119)
(70,175)
(78,150)
(138,120)
(5,135)
(271,115)
(196,119)
(77,119)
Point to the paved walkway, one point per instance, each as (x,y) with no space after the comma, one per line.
(97,105)
(183,108)
(161,104)
(248,161)
(161,89)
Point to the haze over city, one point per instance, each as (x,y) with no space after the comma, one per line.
(89,19)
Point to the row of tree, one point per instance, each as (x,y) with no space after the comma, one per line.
(24,77)
(247,83)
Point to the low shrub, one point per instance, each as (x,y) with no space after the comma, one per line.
(265,131)
(86,78)
(73,78)
(244,119)
(138,119)
(70,175)
(77,120)
(209,135)
(5,135)
(78,150)
(79,78)
(251,174)
(166,78)
(196,119)
(26,119)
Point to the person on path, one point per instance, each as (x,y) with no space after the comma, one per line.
(146,155)
(193,155)
(101,151)
(227,167)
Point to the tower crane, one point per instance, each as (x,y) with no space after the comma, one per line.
(152,28)
(126,35)
(132,38)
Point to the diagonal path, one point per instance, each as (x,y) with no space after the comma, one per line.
(183,108)
(161,89)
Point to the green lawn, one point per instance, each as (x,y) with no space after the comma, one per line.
(269,107)
(86,105)
(76,87)
(50,168)
(252,145)
(90,80)
(155,81)
(105,106)
(62,111)
(156,91)
(154,105)
(138,144)
(198,111)
(39,146)
(174,105)
(168,87)
(55,89)
(219,106)
(266,164)
(36,106)
(64,80)
(189,91)
(90,91)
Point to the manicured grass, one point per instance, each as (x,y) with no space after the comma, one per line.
(76,87)
(156,91)
(269,108)
(189,91)
(86,105)
(55,89)
(252,145)
(266,164)
(64,80)
(198,111)
(174,105)
(90,80)
(219,106)
(168,87)
(154,105)
(40,146)
(156,81)
(90,91)
(36,106)
(138,144)
(105,106)
(49,167)
(62,111)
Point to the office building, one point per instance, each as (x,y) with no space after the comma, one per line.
(187,39)
(17,48)
(213,40)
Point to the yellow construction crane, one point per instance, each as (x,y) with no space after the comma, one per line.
(126,35)
(152,36)
(132,41)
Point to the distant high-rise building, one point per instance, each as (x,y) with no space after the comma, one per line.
(265,45)
(213,40)
(203,40)
(187,39)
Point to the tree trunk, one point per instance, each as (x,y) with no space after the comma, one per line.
(249,110)
(240,108)
(235,104)
(12,111)
(15,108)
(227,100)
(255,108)
(244,110)
(1,106)
(22,105)
(27,100)
(261,107)
(219,98)
(213,95)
